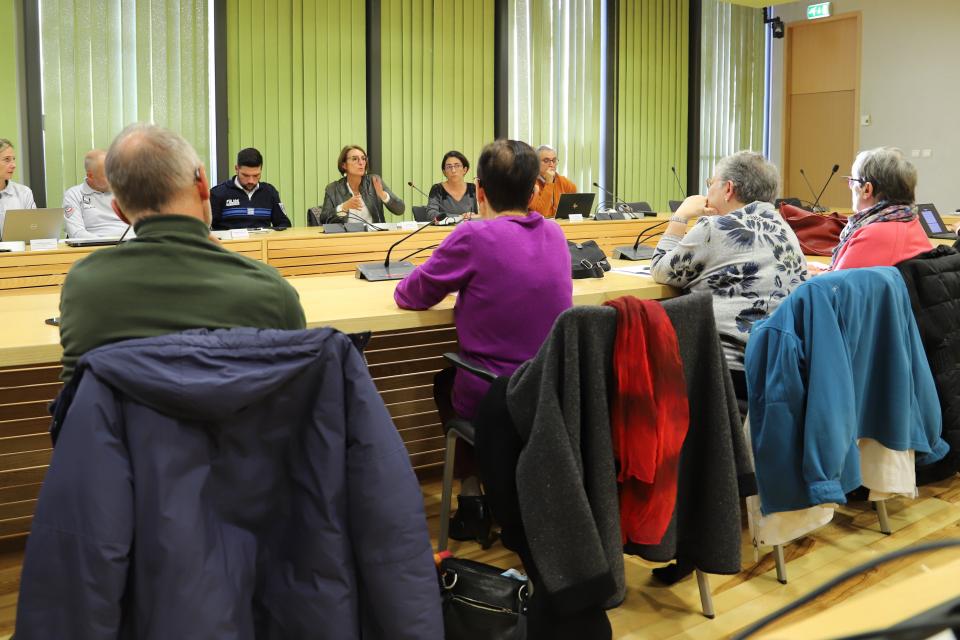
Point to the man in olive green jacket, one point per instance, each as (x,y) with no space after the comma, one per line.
(173,276)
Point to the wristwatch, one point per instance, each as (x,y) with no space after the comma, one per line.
(676,218)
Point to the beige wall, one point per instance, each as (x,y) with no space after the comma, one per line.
(909,86)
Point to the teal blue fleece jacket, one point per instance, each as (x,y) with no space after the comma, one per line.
(840,359)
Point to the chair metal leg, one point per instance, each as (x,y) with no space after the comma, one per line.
(706,599)
(446,496)
(881,506)
(781,564)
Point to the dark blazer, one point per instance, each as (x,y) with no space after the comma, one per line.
(570,514)
(338,192)
(933,282)
(231,483)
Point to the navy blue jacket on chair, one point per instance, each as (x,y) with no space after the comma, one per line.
(228,484)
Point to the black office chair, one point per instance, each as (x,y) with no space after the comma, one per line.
(674,205)
(796,202)
(456,428)
(640,208)
(420,214)
(464,429)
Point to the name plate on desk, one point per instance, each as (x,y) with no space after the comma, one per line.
(576,217)
(43,244)
(13,245)
(409,225)
(240,234)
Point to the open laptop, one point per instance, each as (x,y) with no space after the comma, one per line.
(31,224)
(573,203)
(933,223)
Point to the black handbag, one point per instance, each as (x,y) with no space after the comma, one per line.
(480,603)
(587,259)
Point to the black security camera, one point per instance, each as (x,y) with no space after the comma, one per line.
(777,28)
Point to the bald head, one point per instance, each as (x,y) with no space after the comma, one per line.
(154,170)
(93,166)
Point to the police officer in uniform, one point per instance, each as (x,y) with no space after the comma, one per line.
(86,207)
(243,202)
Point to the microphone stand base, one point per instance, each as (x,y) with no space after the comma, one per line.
(376,272)
(344,227)
(629,253)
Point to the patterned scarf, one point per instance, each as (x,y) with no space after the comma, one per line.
(880,212)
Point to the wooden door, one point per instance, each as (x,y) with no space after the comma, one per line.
(821,106)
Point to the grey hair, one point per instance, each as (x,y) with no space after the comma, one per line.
(4,143)
(545,147)
(92,158)
(754,178)
(894,178)
(147,166)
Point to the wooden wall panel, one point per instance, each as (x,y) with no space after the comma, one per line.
(403,364)
(823,56)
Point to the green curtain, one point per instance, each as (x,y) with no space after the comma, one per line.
(554,84)
(108,63)
(9,51)
(733,56)
(437,88)
(652,75)
(296,90)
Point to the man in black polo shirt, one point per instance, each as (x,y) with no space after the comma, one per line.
(243,202)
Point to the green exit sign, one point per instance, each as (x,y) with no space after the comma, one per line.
(819,10)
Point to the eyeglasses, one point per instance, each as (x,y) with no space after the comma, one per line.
(851,181)
(356,159)
(451,167)
(549,161)
(711,181)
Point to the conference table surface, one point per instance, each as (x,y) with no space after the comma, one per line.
(339,301)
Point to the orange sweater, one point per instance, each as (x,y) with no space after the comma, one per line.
(547,196)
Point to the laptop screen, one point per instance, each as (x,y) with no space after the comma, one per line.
(932,218)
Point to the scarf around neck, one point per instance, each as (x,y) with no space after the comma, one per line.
(881,212)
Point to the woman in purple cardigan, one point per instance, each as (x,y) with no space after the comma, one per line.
(511,273)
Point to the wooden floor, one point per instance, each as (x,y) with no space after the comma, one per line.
(652,611)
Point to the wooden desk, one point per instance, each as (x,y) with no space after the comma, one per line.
(302,251)
(403,356)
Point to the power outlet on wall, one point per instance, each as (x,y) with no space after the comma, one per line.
(926,153)
(865,120)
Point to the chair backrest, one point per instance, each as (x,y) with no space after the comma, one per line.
(674,205)
(420,214)
(637,207)
(792,201)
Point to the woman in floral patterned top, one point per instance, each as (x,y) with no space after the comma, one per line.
(740,250)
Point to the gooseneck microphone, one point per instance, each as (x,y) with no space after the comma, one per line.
(809,186)
(636,252)
(417,189)
(683,194)
(421,249)
(625,209)
(612,195)
(346,213)
(375,271)
(816,203)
